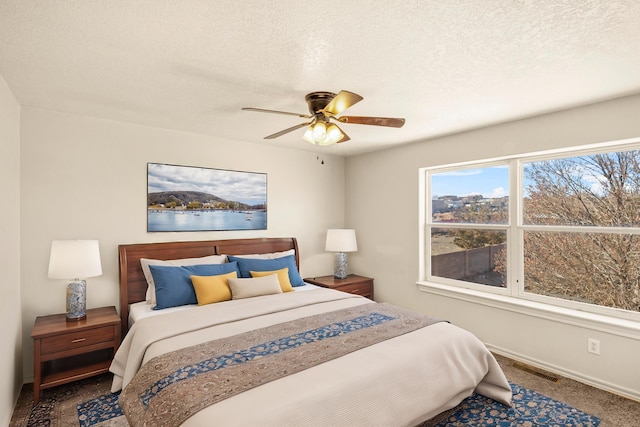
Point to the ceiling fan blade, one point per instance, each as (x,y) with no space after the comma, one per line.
(346,137)
(376,121)
(261,110)
(341,102)
(291,129)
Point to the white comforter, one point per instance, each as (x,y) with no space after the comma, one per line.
(399,382)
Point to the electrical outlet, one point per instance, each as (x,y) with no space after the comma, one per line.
(593,346)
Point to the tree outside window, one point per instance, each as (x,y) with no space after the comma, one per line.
(602,192)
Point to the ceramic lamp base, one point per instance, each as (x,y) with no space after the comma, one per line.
(76,300)
(340,271)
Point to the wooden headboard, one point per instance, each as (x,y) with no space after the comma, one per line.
(133,285)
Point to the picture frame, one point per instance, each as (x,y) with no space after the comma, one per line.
(191,198)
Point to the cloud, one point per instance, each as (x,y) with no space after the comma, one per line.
(246,187)
(497,193)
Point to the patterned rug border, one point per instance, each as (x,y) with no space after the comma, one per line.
(59,407)
(529,408)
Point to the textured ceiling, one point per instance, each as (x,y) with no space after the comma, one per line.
(444,65)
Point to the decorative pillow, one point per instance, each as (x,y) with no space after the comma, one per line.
(246,265)
(283,277)
(255,287)
(173,284)
(210,289)
(145,263)
(270,255)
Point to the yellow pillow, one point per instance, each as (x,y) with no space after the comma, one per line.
(210,289)
(283,277)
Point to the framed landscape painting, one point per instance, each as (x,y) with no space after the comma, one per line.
(187,198)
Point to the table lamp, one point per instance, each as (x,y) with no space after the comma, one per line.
(341,241)
(75,260)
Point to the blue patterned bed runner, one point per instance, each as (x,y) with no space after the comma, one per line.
(269,348)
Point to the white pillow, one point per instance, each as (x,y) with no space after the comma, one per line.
(271,255)
(145,263)
(254,287)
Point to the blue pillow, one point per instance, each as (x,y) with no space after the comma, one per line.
(173,284)
(246,265)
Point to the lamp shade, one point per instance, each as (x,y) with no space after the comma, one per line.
(341,240)
(74,259)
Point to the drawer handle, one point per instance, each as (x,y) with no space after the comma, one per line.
(78,340)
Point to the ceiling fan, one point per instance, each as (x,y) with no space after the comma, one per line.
(324,108)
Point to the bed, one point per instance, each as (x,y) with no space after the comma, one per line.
(309,356)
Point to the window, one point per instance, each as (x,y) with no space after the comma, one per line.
(562,229)
(470,216)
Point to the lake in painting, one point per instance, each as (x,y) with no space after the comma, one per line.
(211,220)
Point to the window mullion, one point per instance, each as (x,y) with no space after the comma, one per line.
(515,269)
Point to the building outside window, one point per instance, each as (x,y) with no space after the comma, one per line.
(562,228)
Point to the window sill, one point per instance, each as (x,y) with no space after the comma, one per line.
(597,322)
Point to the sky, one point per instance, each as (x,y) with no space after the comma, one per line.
(491,182)
(244,187)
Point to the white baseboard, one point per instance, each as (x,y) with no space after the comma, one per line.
(594,382)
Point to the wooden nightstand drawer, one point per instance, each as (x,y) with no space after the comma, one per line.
(353,284)
(363,289)
(76,340)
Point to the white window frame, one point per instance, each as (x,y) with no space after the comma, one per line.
(513,297)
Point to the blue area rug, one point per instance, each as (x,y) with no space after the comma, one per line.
(530,409)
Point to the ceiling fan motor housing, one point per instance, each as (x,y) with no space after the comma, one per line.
(318,101)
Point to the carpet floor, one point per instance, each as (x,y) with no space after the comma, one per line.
(58,406)
(613,410)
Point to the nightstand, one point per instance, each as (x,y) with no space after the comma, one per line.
(353,284)
(69,351)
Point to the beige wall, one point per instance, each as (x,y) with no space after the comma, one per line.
(10,307)
(382,205)
(85,178)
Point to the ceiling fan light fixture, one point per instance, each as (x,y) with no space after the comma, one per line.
(334,134)
(308,135)
(320,134)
